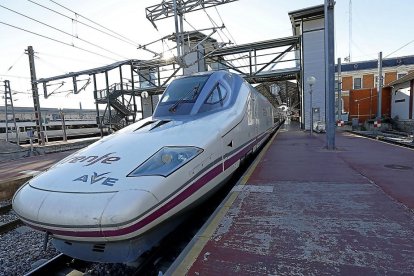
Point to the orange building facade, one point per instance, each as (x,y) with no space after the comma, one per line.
(359,86)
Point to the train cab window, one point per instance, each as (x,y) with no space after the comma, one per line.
(216,99)
(183,89)
(180,96)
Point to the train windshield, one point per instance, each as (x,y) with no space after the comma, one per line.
(180,96)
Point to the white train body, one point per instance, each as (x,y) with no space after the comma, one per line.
(113,200)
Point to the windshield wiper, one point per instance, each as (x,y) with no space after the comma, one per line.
(193,92)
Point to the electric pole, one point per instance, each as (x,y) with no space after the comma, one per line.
(35,92)
(379,85)
(8,105)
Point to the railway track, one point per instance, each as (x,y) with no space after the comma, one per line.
(384,138)
(5,209)
(60,265)
(9,225)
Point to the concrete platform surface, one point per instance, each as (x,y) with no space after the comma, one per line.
(30,165)
(14,173)
(305,210)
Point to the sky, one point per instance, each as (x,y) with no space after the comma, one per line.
(376,26)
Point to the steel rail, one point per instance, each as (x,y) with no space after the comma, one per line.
(8,226)
(59,265)
(5,209)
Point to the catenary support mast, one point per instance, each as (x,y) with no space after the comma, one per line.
(35,92)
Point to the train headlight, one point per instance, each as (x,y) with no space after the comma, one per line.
(166,161)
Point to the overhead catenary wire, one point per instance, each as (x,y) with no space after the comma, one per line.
(20,92)
(51,65)
(91,63)
(14,76)
(216,25)
(94,22)
(14,63)
(405,45)
(61,31)
(373,56)
(166,44)
(228,31)
(82,23)
(56,40)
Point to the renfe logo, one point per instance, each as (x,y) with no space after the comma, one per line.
(90,160)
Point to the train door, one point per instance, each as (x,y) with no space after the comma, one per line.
(230,144)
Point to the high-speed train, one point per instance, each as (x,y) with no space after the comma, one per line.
(113,200)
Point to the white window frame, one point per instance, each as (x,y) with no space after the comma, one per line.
(353,82)
(400,73)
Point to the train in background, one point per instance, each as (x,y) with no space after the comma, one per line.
(26,114)
(79,123)
(115,199)
(52,130)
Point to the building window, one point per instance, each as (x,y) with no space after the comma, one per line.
(357,83)
(401,75)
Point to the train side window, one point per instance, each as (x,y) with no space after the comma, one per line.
(215,99)
(54,127)
(218,95)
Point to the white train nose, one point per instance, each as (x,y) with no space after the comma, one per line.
(53,210)
(124,211)
(67,214)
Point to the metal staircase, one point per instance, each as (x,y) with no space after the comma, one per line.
(10,116)
(115,121)
(110,97)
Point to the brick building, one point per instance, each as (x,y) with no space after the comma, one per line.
(359,85)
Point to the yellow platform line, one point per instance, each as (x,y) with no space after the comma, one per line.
(213,223)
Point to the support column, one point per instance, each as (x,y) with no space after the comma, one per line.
(8,102)
(95,95)
(133,94)
(339,90)
(410,107)
(177,29)
(330,74)
(35,93)
(108,102)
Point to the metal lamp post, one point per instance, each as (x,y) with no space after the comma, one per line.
(311,81)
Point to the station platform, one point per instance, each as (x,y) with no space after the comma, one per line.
(15,172)
(301,209)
